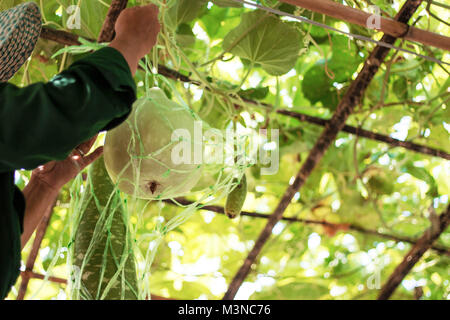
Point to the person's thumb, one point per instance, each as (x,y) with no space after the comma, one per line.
(92,156)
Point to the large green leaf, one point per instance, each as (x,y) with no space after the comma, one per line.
(345,58)
(185,37)
(183,11)
(318,86)
(400,87)
(264,40)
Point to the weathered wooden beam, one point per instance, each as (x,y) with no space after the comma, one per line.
(107,33)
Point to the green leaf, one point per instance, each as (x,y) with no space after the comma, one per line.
(317,86)
(257,39)
(92,14)
(381,185)
(183,11)
(345,59)
(185,36)
(375,89)
(422,174)
(254,93)
(213,112)
(294,290)
(288,8)
(211,22)
(7,4)
(319,34)
(400,87)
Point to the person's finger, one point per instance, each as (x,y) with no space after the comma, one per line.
(75,160)
(87,145)
(92,156)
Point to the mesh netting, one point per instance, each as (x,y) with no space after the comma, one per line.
(107,261)
(110,251)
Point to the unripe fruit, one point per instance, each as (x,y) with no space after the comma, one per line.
(138,153)
(236,198)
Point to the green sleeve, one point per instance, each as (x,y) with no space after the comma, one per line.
(46,121)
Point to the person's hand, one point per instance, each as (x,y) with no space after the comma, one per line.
(139,26)
(136,30)
(56,174)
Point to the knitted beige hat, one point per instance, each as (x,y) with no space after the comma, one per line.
(20,28)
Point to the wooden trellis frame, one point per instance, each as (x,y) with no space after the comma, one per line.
(332,128)
(392,27)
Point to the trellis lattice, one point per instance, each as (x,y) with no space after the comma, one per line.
(332,127)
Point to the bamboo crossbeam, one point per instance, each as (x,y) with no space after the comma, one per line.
(388,26)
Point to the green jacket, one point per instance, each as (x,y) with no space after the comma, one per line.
(46,121)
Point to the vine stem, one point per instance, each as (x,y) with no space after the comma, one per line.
(245,76)
(107,32)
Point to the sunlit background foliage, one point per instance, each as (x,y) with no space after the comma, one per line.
(359,182)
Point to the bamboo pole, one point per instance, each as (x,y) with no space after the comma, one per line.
(388,26)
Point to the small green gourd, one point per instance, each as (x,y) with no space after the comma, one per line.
(236,198)
(102,243)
